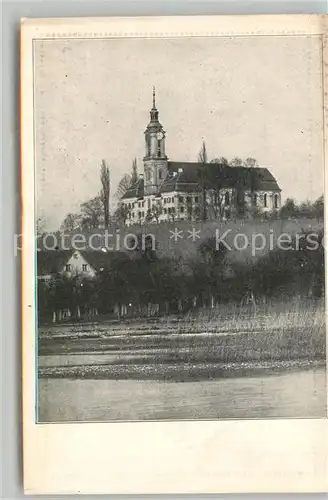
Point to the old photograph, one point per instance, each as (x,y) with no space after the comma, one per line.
(180,222)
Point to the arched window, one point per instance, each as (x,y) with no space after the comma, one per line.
(276,201)
(160,174)
(148,149)
(265,200)
(255,200)
(159,152)
(227,198)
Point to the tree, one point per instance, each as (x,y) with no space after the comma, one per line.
(190,211)
(202,159)
(240,203)
(156,212)
(122,213)
(222,161)
(209,270)
(92,213)
(319,208)
(289,209)
(127,180)
(236,162)
(306,209)
(197,212)
(202,155)
(215,175)
(123,186)
(149,215)
(172,214)
(299,270)
(71,222)
(88,295)
(40,226)
(105,191)
(134,173)
(250,162)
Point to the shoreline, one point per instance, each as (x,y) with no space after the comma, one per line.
(178,372)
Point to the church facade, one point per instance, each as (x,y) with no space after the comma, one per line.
(170,190)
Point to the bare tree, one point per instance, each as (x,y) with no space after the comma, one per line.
(172,215)
(189,208)
(250,162)
(40,225)
(202,155)
(221,161)
(215,190)
(127,181)
(236,162)
(71,222)
(105,191)
(155,212)
(149,215)
(134,173)
(123,186)
(122,213)
(202,159)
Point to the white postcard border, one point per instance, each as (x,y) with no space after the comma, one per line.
(155,457)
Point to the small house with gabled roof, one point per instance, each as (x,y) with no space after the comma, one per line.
(86,263)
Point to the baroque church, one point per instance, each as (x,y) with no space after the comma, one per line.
(171,190)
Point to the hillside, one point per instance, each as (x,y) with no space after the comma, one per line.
(246,239)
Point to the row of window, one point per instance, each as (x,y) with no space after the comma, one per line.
(171,210)
(265,200)
(160,175)
(181,199)
(68,268)
(159,151)
(139,204)
(188,200)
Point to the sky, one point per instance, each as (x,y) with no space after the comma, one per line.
(257,97)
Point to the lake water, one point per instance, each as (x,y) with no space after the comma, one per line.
(292,394)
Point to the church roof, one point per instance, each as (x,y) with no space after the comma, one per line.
(186,177)
(179,181)
(186,174)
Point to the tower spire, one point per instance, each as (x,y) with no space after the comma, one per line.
(154,103)
(153,111)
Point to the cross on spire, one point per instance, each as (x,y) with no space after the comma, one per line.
(154,104)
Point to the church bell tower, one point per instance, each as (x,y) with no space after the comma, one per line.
(155,159)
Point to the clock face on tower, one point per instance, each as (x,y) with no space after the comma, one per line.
(159,135)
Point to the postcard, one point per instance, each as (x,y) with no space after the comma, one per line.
(174,313)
